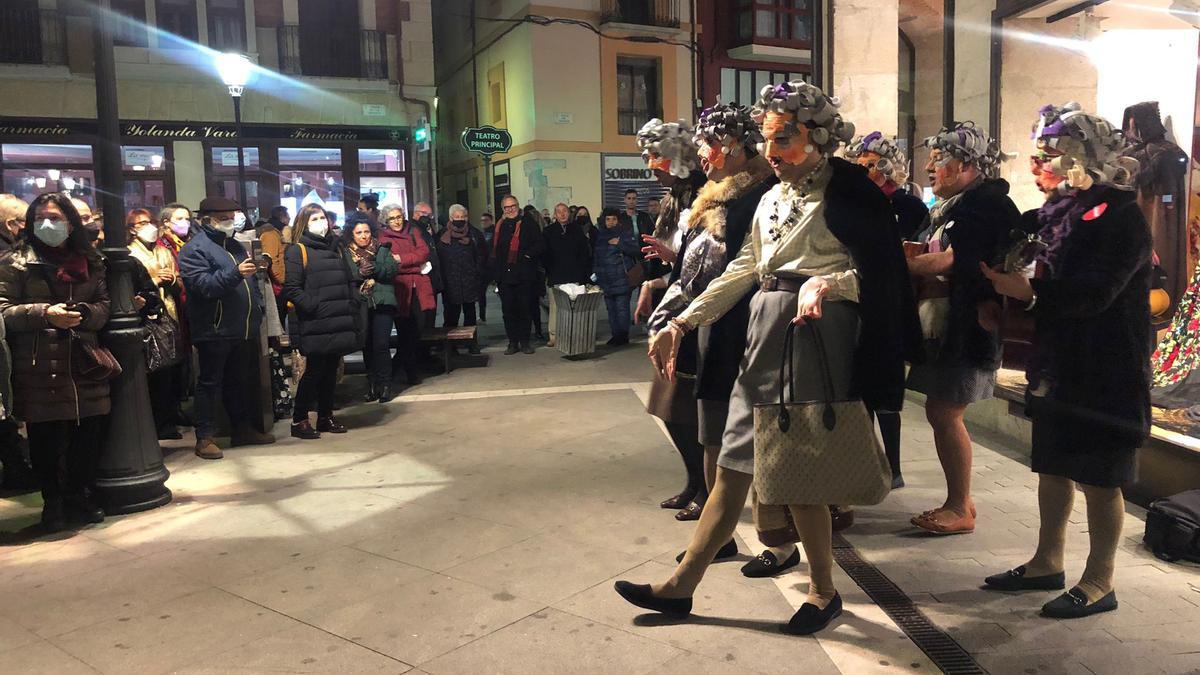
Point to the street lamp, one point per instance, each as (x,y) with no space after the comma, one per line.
(235,72)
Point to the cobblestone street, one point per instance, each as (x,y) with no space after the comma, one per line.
(476,524)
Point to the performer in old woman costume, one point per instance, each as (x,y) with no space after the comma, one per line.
(822,245)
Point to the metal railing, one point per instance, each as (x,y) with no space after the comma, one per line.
(295,59)
(32,36)
(373,55)
(664,13)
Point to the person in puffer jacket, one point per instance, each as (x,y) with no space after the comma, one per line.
(224,312)
(54,300)
(322,286)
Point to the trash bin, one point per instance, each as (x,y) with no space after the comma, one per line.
(576,314)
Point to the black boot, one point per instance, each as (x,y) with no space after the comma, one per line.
(512,349)
(53,519)
(372,393)
(80,509)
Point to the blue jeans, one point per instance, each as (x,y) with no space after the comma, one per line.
(618,313)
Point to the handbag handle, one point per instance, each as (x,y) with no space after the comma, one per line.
(787,369)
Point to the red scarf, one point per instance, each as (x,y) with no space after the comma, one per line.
(514,244)
(70,267)
(889,187)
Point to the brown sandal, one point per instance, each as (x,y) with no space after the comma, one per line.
(944,521)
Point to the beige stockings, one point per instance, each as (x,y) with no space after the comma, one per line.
(1105,517)
(717,524)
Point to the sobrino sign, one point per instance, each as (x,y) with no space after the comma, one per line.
(627,172)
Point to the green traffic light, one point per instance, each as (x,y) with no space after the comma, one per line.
(421,135)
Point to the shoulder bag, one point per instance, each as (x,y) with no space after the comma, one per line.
(92,362)
(161,343)
(816,452)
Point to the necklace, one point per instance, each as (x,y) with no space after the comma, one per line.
(795,195)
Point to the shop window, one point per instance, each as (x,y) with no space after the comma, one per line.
(312,176)
(223,172)
(30,169)
(786,23)
(178,17)
(741,85)
(227,25)
(638,96)
(386,159)
(146,170)
(383,172)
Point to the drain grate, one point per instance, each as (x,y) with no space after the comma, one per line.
(942,649)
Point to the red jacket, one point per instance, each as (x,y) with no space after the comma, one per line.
(409,282)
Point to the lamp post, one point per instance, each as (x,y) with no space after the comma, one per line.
(130,475)
(235,72)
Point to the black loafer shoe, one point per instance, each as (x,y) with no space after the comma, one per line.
(1015,580)
(512,349)
(678,501)
(1074,605)
(330,425)
(639,595)
(726,552)
(767,565)
(809,619)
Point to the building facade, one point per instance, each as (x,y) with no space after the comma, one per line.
(330,114)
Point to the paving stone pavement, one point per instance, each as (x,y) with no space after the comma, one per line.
(476,524)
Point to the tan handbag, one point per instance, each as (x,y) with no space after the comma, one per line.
(816,452)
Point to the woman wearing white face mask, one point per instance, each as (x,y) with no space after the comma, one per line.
(53,298)
(322,285)
(146,247)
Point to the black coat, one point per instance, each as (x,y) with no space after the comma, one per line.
(524,270)
(463,268)
(984,218)
(1092,323)
(858,214)
(910,212)
(324,291)
(723,344)
(568,256)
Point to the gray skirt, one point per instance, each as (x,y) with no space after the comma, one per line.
(712,421)
(946,382)
(758,379)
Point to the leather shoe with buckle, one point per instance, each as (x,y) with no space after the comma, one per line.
(1015,580)
(767,565)
(330,425)
(1074,605)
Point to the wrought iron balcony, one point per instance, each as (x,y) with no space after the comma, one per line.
(306,57)
(662,13)
(35,36)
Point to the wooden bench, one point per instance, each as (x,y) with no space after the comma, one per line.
(450,337)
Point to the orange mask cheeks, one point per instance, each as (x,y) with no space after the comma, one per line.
(777,126)
(713,154)
(659,163)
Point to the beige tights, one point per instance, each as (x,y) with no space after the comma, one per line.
(715,527)
(1055,498)
(815,527)
(1105,515)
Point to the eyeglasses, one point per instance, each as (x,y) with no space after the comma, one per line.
(511,207)
(393,219)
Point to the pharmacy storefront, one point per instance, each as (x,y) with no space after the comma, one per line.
(164,162)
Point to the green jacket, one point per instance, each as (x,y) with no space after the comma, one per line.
(384,293)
